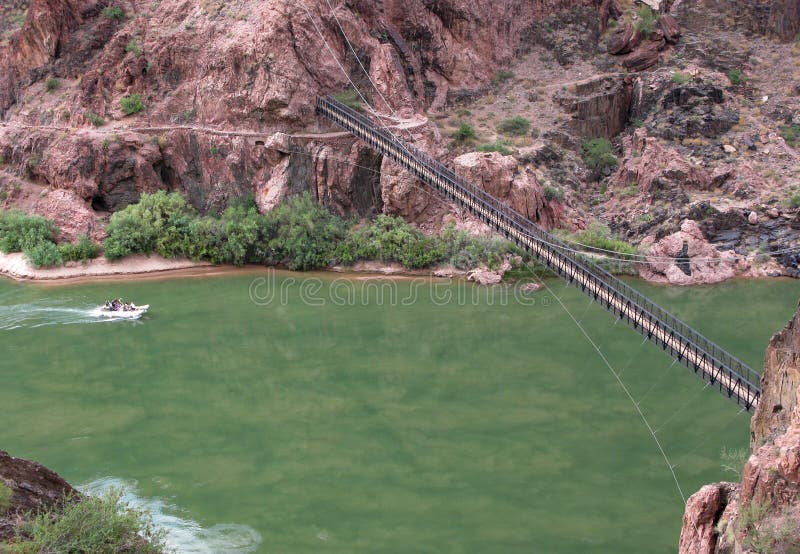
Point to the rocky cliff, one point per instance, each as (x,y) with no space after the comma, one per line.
(762,513)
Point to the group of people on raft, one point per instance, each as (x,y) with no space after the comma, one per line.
(117,305)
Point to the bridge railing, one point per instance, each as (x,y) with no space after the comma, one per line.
(744,377)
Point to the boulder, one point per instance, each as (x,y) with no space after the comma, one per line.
(624,40)
(669,28)
(706,264)
(643,58)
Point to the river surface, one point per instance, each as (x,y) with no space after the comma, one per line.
(298,413)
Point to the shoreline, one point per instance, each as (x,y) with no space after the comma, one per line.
(140,267)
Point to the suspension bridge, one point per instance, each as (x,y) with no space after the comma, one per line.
(710,362)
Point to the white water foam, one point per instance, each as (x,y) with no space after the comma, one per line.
(66,311)
(184,536)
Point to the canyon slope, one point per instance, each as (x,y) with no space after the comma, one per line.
(104,100)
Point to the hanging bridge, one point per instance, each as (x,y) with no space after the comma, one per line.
(718,368)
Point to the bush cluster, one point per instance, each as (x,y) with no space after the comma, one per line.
(464,133)
(131,104)
(51,84)
(500,145)
(599,236)
(93,524)
(35,236)
(502,76)
(789,133)
(299,234)
(646,21)
(113,12)
(516,126)
(598,154)
(736,76)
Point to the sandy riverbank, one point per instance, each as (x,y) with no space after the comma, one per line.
(17,267)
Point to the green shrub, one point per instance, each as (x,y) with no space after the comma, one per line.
(113,12)
(350,98)
(502,76)
(51,84)
(464,133)
(680,78)
(5,497)
(499,145)
(736,76)
(133,48)
(390,239)
(646,21)
(794,200)
(157,223)
(306,234)
(81,251)
(131,104)
(94,119)
(598,154)
(790,134)
(553,193)
(94,524)
(44,254)
(19,231)
(465,251)
(516,126)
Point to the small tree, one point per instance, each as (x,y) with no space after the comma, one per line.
(464,133)
(516,126)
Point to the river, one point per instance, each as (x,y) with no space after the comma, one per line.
(278,412)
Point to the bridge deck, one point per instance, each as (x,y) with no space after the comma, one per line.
(713,364)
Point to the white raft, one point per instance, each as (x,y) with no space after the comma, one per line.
(135,312)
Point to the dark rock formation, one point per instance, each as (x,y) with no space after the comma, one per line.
(693,111)
(643,58)
(599,107)
(624,40)
(34,487)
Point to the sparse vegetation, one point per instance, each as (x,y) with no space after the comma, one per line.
(515,126)
(113,12)
(794,200)
(680,78)
(736,76)
(349,98)
(599,236)
(500,145)
(131,104)
(133,47)
(553,193)
(95,119)
(464,133)
(646,21)
(502,76)
(598,155)
(51,84)
(93,524)
(790,134)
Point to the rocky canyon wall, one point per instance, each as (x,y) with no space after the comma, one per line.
(762,514)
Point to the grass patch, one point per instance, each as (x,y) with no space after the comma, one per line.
(133,47)
(680,78)
(789,133)
(95,524)
(131,104)
(514,126)
(349,98)
(113,13)
(51,84)
(599,236)
(95,119)
(736,76)
(500,145)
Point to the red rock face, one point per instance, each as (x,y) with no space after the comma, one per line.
(771,476)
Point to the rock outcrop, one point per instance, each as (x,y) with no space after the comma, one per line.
(686,258)
(503,177)
(761,513)
(34,488)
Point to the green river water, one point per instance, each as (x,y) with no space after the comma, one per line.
(439,418)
